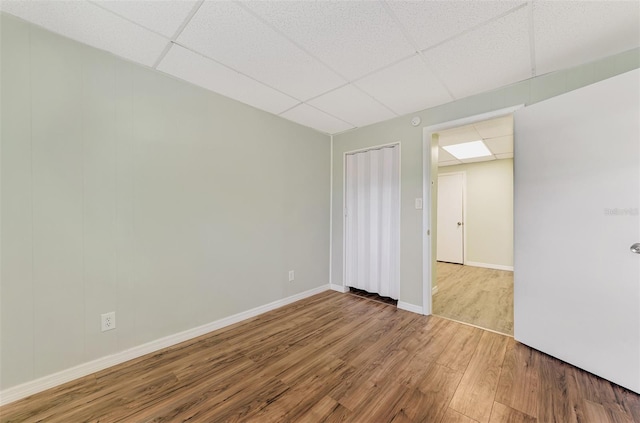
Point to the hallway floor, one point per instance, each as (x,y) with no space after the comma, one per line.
(475,295)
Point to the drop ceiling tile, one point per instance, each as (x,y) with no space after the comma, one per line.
(495,127)
(479,159)
(199,70)
(504,156)
(445,156)
(406,87)
(164,17)
(92,25)
(431,22)
(458,135)
(489,57)
(228,33)
(353,106)
(353,37)
(568,33)
(314,118)
(500,145)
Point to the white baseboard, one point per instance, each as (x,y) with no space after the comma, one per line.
(434,290)
(489,266)
(410,307)
(339,288)
(38,385)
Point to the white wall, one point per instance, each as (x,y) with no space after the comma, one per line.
(400,130)
(126,190)
(489,212)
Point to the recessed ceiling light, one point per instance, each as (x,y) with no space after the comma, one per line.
(468,150)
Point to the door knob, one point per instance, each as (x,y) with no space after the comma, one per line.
(460,224)
(635,248)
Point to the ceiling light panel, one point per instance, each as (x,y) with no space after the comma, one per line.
(431,22)
(314,118)
(92,25)
(164,17)
(353,37)
(500,145)
(406,86)
(468,150)
(570,33)
(208,74)
(352,105)
(489,57)
(226,32)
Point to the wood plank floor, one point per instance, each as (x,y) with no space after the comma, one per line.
(481,297)
(337,357)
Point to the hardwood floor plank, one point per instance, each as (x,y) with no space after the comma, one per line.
(557,401)
(336,358)
(504,414)
(452,416)
(518,385)
(475,394)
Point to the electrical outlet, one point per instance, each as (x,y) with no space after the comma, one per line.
(292,276)
(108,321)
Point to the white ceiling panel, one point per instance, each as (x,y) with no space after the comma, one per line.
(504,156)
(353,106)
(226,32)
(164,17)
(479,159)
(206,73)
(489,57)
(431,22)
(406,87)
(450,163)
(92,25)
(572,33)
(458,135)
(314,118)
(445,156)
(495,127)
(500,145)
(353,37)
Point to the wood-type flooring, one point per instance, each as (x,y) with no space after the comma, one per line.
(475,295)
(337,358)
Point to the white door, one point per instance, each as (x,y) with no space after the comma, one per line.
(577,194)
(450,232)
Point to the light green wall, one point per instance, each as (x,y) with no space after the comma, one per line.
(126,190)
(410,137)
(488,211)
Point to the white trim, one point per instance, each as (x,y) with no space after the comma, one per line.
(410,307)
(489,266)
(331,212)
(427,132)
(339,288)
(32,387)
(434,290)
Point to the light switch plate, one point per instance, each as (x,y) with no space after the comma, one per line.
(418,203)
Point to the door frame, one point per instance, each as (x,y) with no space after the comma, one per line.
(464,212)
(344,286)
(428,218)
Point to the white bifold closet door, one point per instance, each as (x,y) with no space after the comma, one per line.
(372,221)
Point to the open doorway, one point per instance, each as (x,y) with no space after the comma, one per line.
(473,277)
